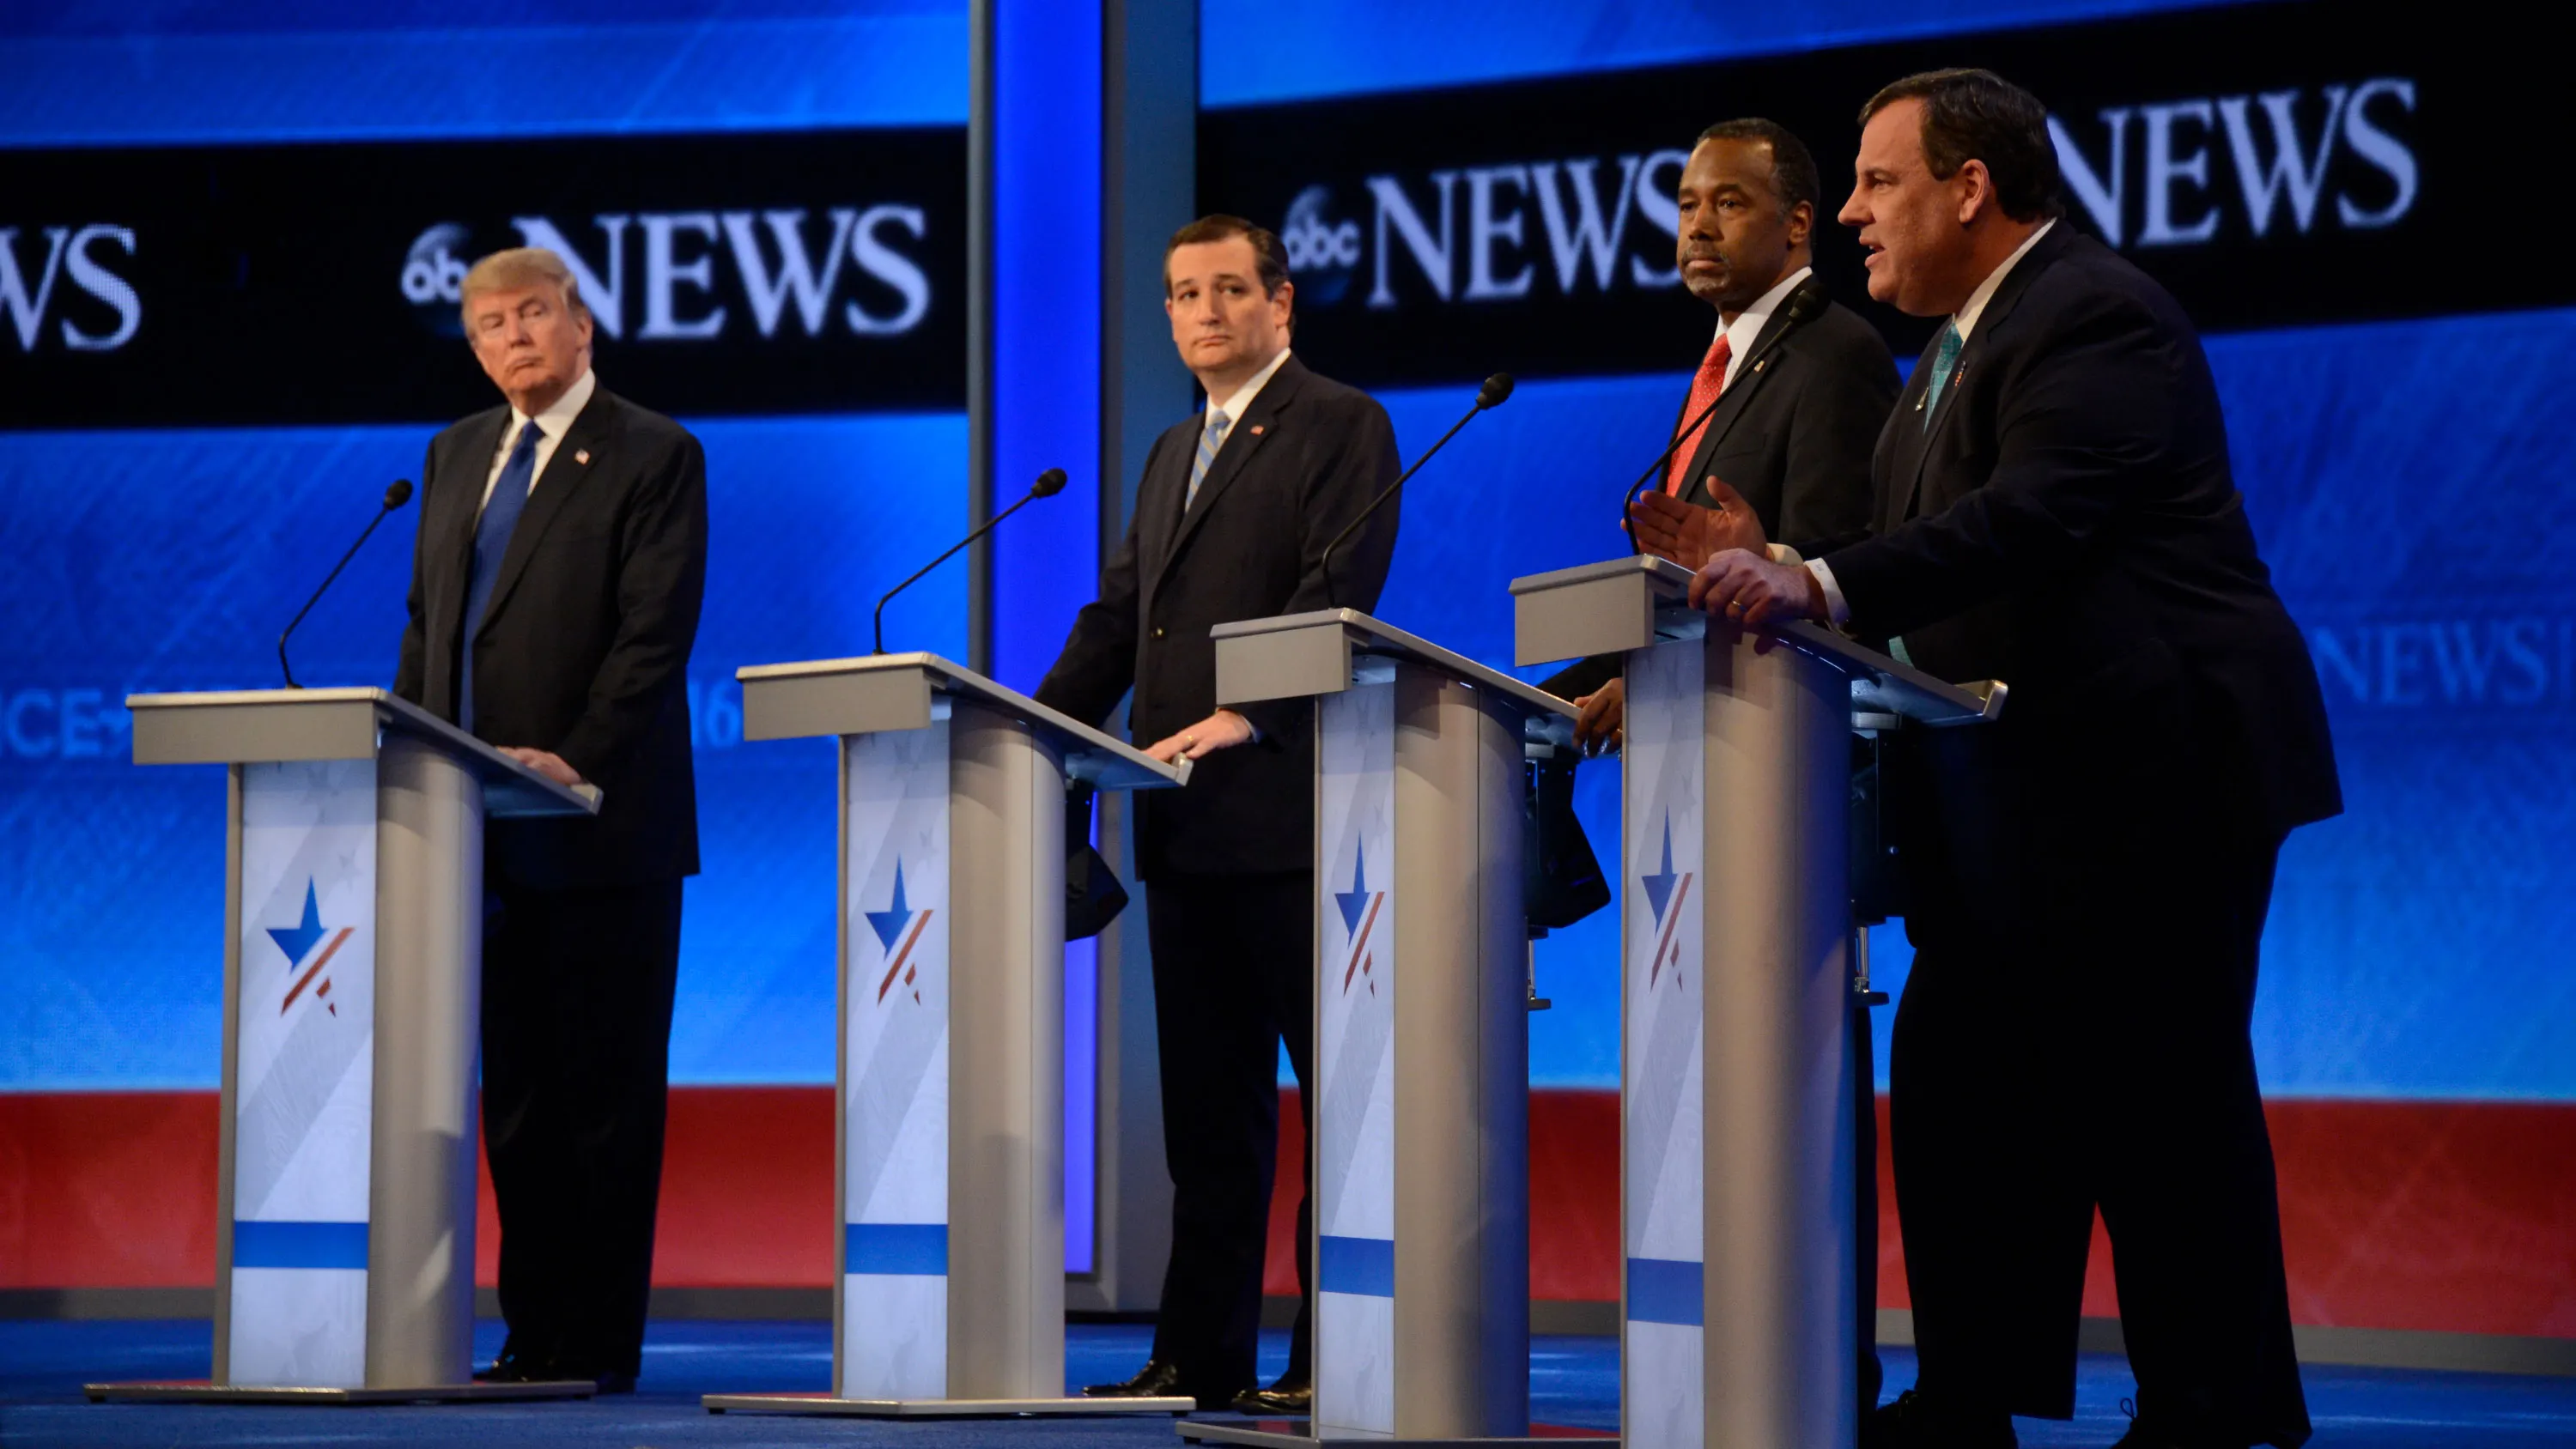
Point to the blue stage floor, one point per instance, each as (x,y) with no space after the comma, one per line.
(1572,1381)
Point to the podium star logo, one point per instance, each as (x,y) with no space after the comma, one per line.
(1354,900)
(1666,889)
(1659,887)
(1359,906)
(298,941)
(890,924)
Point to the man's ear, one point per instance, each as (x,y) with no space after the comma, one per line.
(1802,223)
(1977,196)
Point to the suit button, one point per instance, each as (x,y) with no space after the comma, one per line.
(1158,633)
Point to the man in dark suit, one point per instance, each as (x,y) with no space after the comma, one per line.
(1799,384)
(554,596)
(1232,517)
(2089,876)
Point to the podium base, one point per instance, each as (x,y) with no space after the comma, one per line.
(198,1391)
(939,1408)
(1300,1434)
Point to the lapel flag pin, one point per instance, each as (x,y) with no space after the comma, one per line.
(582,457)
(1257,429)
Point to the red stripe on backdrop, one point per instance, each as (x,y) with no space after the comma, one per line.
(2443,1216)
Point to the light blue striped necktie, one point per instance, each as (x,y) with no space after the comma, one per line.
(1210,440)
(1945,357)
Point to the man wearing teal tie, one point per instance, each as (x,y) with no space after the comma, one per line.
(2087,878)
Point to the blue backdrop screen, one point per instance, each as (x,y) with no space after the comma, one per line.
(168,560)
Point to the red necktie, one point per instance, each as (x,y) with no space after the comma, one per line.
(1705,386)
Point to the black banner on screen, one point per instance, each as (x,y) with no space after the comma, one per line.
(762,273)
(2271,164)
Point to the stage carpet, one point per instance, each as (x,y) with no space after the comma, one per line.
(1574,1381)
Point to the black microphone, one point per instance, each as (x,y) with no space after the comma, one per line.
(1049,484)
(395,497)
(1491,395)
(1804,305)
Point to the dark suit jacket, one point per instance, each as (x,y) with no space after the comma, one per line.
(2069,524)
(1792,435)
(1300,464)
(584,645)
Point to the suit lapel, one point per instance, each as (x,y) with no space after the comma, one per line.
(1738,395)
(1990,323)
(574,460)
(1259,423)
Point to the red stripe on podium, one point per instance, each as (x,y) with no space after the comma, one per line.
(2444,1216)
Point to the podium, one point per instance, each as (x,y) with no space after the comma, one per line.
(1739,1078)
(1421,1114)
(344,1237)
(949,1123)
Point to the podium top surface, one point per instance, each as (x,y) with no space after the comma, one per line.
(1628,603)
(1321,652)
(905,692)
(266,726)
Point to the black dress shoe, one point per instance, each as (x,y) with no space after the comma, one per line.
(1915,1422)
(514,1367)
(1285,1399)
(1159,1379)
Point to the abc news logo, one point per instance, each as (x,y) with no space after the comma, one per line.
(692,275)
(1501,233)
(63,277)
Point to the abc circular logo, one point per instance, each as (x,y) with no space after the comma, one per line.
(433,276)
(1323,254)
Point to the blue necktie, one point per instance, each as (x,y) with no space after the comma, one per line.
(491,540)
(1945,356)
(1209,442)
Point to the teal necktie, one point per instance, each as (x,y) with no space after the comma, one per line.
(1945,358)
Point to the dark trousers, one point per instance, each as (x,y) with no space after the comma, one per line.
(576,1067)
(2079,1035)
(1234,974)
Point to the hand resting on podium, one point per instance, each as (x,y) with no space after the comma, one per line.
(544,762)
(1222,730)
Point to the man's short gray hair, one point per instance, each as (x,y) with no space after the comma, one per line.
(517,267)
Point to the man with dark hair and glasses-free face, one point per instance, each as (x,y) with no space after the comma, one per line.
(1799,384)
(1232,516)
(2088,876)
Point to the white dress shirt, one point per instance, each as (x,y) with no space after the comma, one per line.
(552,424)
(1963,322)
(1235,406)
(1746,329)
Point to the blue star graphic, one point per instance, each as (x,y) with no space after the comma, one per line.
(1354,900)
(889,923)
(1659,888)
(298,939)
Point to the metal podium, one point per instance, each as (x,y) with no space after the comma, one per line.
(344,1233)
(1738,1086)
(950,1118)
(1421,1111)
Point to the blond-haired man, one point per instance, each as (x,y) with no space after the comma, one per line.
(554,597)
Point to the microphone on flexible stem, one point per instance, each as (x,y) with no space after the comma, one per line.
(395,497)
(1803,305)
(1049,484)
(1491,395)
